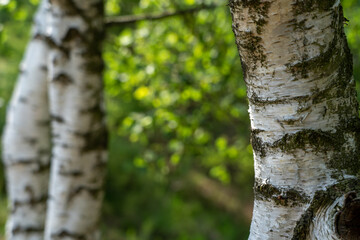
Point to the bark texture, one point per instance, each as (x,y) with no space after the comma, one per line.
(26,141)
(75,32)
(304,115)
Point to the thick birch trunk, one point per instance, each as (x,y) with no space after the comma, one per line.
(26,141)
(75,31)
(304,118)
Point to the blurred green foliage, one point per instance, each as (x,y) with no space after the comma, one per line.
(176,104)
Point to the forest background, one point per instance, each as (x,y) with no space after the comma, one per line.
(180,162)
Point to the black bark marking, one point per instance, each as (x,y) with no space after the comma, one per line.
(63,79)
(93,191)
(70,8)
(23,99)
(65,145)
(73,173)
(55,135)
(94,65)
(71,35)
(244,68)
(43,123)
(52,44)
(94,110)
(32,202)
(44,152)
(100,164)
(67,234)
(42,167)
(37,166)
(31,141)
(28,189)
(27,230)
(43,68)
(95,140)
(57,119)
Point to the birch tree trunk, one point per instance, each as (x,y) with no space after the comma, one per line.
(304,118)
(26,141)
(75,33)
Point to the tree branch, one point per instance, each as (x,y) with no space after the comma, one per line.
(121,20)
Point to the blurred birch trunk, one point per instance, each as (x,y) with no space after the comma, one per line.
(304,118)
(26,140)
(75,33)
(60,87)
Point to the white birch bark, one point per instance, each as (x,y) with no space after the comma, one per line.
(26,141)
(79,138)
(304,116)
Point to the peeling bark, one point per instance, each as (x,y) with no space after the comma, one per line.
(74,34)
(26,141)
(303,111)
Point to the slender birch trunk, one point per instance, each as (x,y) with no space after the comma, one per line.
(75,32)
(304,118)
(26,141)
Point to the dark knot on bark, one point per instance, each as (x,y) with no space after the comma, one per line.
(348,219)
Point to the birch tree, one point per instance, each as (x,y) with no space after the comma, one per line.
(26,140)
(304,118)
(75,32)
(61,84)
